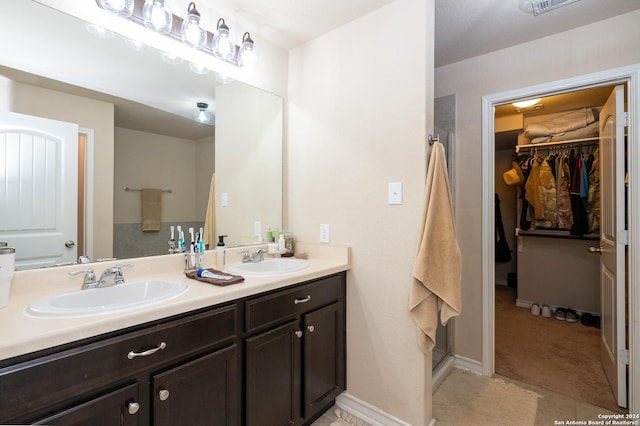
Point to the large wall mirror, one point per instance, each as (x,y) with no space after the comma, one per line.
(134,108)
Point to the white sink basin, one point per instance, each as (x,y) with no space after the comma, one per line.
(275,266)
(81,303)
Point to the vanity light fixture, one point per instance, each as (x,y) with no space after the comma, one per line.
(157,16)
(198,69)
(203,114)
(193,35)
(122,8)
(246,56)
(223,47)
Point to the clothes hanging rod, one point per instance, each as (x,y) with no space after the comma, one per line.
(568,143)
(126,188)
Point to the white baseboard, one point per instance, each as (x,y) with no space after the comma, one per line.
(468,364)
(366,412)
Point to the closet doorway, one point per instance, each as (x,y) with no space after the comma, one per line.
(516,286)
(548,316)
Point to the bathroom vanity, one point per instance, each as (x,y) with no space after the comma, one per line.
(271,357)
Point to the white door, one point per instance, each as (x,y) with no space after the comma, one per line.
(38,189)
(613,238)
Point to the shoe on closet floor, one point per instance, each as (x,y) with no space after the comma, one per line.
(545,311)
(561,314)
(535,309)
(572,316)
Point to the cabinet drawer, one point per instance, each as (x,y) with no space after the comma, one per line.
(34,385)
(270,309)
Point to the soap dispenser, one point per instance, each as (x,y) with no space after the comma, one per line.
(220,252)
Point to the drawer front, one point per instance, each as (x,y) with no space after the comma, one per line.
(271,309)
(44,382)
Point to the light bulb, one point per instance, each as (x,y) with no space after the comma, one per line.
(157,16)
(222,44)
(122,8)
(193,35)
(246,54)
(203,114)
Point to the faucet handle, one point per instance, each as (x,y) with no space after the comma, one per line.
(117,271)
(89,277)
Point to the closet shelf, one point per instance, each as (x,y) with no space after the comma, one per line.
(551,233)
(569,143)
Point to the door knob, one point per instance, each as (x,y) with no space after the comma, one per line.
(593,249)
(311,328)
(299,334)
(163,394)
(69,243)
(133,407)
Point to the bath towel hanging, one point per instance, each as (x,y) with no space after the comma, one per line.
(209,236)
(151,209)
(435,285)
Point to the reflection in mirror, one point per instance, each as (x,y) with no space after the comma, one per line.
(147,140)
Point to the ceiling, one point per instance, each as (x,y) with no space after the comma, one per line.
(463,29)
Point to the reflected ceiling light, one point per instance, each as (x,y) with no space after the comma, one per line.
(203,114)
(122,8)
(198,69)
(246,56)
(157,16)
(540,6)
(223,47)
(526,104)
(193,35)
(98,31)
(134,44)
(223,78)
(170,58)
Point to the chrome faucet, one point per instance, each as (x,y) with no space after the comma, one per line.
(89,278)
(258,256)
(112,276)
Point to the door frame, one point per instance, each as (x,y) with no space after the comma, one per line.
(631,76)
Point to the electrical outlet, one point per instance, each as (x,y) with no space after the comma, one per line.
(224,199)
(324,233)
(257,228)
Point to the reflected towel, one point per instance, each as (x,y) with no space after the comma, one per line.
(209,236)
(151,209)
(435,285)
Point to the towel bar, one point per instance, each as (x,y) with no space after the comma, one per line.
(126,188)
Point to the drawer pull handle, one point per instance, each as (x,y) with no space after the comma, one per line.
(299,334)
(163,394)
(311,328)
(302,300)
(133,407)
(161,346)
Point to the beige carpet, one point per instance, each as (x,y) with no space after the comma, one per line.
(466,398)
(556,355)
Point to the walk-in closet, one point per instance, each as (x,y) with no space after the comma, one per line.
(552,194)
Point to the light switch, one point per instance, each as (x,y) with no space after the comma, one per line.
(395,193)
(224,199)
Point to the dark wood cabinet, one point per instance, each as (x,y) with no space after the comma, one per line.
(204,392)
(273,359)
(295,370)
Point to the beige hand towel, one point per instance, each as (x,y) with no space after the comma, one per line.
(151,209)
(435,285)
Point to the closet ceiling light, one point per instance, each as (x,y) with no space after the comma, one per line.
(526,104)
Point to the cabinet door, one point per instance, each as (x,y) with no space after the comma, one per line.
(204,392)
(273,376)
(324,363)
(120,407)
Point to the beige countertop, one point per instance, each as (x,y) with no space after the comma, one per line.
(21,334)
